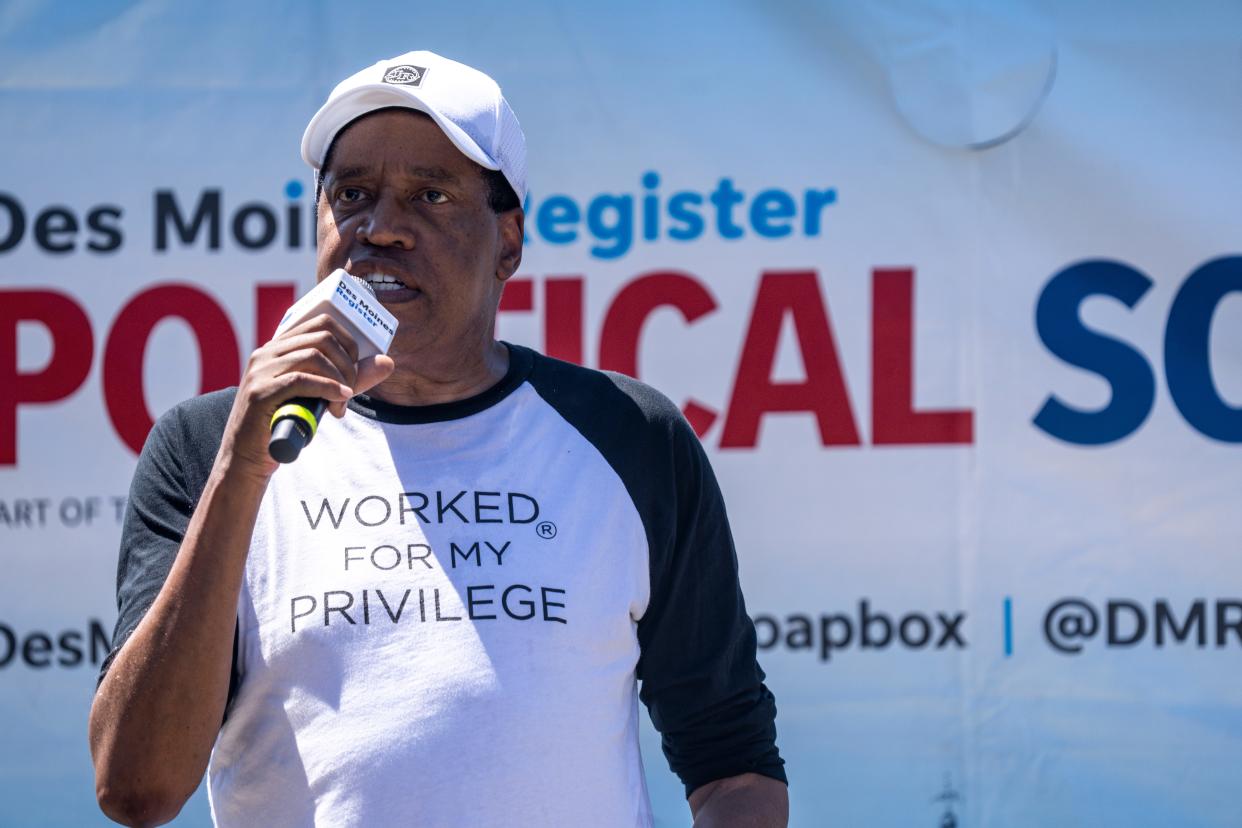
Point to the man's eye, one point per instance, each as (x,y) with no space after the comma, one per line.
(348,194)
(434,197)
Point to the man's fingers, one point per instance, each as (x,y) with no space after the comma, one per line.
(280,389)
(312,361)
(323,342)
(372,371)
(323,322)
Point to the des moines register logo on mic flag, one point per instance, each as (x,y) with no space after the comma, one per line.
(351,302)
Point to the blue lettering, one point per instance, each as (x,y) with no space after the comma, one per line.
(620,230)
(1187,350)
(725,198)
(814,203)
(557,211)
(1060,326)
(679,210)
(651,208)
(770,205)
(613,223)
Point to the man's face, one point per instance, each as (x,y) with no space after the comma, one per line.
(400,201)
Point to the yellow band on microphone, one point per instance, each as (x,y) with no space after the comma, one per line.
(295,410)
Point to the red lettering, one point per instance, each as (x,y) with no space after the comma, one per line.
(518,295)
(893,418)
(219,360)
(628,313)
(822,393)
(66,369)
(270,304)
(562,318)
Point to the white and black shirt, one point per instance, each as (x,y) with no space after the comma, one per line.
(445,609)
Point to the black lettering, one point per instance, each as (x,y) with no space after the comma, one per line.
(358,510)
(27,513)
(405,596)
(455,550)
(772,625)
(267,221)
(504,602)
(71,655)
(294,615)
(328,609)
(349,557)
(324,507)
(396,557)
(207,213)
(451,506)
(866,620)
(293,219)
(950,630)
(827,641)
(1195,618)
(1115,638)
(411,557)
(402,501)
(439,617)
(480,507)
(799,635)
(101,644)
(108,236)
(366,608)
(17,227)
(10,646)
(35,650)
(71,511)
(513,510)
(923,636)
(52,222)
(472,602)
(546,603)
(499,553)
(1224,625)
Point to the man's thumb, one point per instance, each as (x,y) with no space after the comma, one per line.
(372,371)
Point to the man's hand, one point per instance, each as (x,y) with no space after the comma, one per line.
(158,710)
(318,359)
(746,801)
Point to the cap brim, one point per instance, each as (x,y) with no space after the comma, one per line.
(333,116)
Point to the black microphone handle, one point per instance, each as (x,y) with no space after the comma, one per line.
(293,426)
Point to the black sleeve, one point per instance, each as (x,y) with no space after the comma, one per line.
(700,677)
(168,481)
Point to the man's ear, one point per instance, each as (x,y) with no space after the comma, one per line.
(512,231)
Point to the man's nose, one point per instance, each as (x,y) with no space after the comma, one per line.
(388,224)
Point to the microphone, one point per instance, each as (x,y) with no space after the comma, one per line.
(351,301)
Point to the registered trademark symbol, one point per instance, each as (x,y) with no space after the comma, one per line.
(546,530)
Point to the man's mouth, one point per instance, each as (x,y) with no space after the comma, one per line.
(393,283)
(382,281)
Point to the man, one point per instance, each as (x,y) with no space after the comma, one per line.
(436,616)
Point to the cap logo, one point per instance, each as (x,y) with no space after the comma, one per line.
(405,75)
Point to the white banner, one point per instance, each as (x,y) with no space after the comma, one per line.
(951,292)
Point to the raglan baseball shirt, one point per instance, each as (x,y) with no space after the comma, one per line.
(445,609)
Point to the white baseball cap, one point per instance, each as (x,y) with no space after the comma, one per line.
(464,102)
